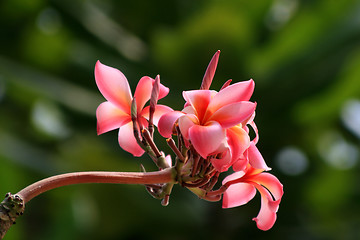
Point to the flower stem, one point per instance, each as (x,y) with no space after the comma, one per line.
(13,205)
(163,176)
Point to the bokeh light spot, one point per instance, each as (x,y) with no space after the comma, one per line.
(49,21)
(48,119)
(350,116)
(336,151)
(291,161)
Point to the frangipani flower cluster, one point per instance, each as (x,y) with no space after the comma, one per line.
(212,133)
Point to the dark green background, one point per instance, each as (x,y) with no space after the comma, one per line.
(303,55)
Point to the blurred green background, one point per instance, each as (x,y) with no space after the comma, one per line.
(304,56)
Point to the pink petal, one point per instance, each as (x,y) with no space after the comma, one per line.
(232,177)
(238,140)
(240,164)
(113,85)
(237,92)
(250,119)
(163,91)
(233,114)
(186,122)
(189,110)
(253,125)
(210,72)
(143,91)
(160,110)
(271,183)
(143,122)
(128,142)
(271,191)
(266,217)
(222,164)
(255,158)
(206,139)
(166,123)
(199,100)
(110,117)
(238,194)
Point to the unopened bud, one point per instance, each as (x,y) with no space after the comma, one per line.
(226,84)
(133,110)
(210,72)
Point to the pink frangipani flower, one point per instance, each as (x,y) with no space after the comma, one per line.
(242,186)
(116,111)
(207,115)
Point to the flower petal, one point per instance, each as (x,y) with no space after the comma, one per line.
(163,91)
(238,194)
(160,110)
(233,114)
(266,217)
(166,123)
(271,191)
(189,110)
(238,140)
(113,85)
(232,177)
(186,122)
(269,206)
(237,92)
(222,164)
(143,91)
(271,183)
(253,125)
(199,100)
(110,117)
(127,140)
(255,158)
(207,139)
(240,164)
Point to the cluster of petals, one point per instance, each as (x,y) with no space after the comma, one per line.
(115,113)
(242,186)
(210,120)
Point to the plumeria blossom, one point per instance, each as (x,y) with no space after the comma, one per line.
(212,121)
(208,114)
(242,188)
(116,111)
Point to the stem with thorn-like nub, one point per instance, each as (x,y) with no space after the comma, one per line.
(14,205)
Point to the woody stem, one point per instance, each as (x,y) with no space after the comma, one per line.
(13,205)
(163,176)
